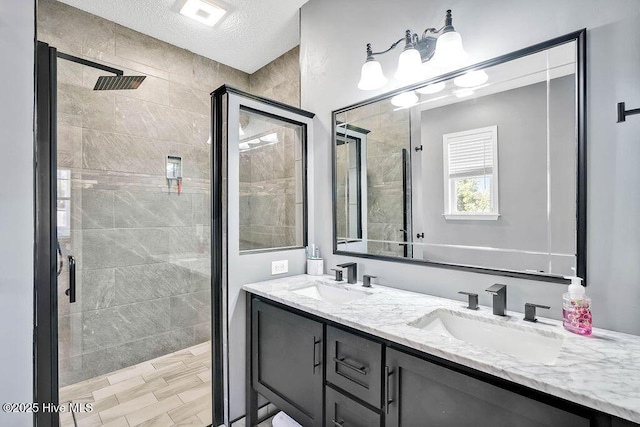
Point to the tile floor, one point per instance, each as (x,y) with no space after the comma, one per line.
(172,390)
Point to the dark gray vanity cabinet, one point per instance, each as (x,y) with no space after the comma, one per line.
(342,411)
(421,393)
(287,362)
(354,364)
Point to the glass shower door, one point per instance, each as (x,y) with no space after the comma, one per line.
(133,227)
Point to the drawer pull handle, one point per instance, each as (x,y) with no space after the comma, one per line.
(315,344)
(338,423)
(387,374)
(361,370)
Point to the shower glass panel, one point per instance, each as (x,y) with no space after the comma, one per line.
(140,241)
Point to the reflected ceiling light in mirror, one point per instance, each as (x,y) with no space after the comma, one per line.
(443,44)
(203,11)
(432,88)
(272,137)
(405,99)
(464,93)
(244,146)
(240,131)
(252,142)
(471,79)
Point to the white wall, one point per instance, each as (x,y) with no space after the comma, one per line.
(16,205)
(333,38)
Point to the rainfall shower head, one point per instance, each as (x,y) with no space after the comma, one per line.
(117,82)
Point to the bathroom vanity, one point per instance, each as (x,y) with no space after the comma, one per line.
(333,354)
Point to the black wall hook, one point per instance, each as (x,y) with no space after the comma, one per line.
(622,113)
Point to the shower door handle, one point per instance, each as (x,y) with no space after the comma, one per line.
(71,292)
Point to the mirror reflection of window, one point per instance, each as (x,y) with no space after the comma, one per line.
(271,182)
(471,174)
(64,202)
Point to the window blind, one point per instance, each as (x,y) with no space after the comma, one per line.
(470,155)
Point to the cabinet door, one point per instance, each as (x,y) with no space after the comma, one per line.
(355,365)
(425,394)
(344,412)
(287,356)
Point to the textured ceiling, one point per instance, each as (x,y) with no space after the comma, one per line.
(249,36)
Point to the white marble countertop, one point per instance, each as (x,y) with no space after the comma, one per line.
(601,371)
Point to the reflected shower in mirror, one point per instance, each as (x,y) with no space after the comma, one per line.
(271,182)
(476,169)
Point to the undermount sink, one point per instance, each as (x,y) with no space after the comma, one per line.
(528,344)
(331,294)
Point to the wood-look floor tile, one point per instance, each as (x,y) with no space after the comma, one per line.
(118,422)
(205,347)
(159,373)
(199,359)
(178,374)
(173,358)
(142,389)
(152,411)
(83,389)
(163,420)
(134,371)
(127,407)
(178,386)
(191,409)
(98,406)
(192,421)
(206,417)
(118,387)
(205,375)
(195,392)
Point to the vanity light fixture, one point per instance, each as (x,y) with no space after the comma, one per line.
(464,92)
(202,11)
(271,137)
(441,48)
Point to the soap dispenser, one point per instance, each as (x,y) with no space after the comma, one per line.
(576,309)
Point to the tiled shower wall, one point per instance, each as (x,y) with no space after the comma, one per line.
(389,134)
(142,250)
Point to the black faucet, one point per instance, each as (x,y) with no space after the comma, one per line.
(473,300)
(366,280)
(352,271)
(499,298)
(530,311)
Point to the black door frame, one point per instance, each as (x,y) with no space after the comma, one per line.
(45,333)
(45,344)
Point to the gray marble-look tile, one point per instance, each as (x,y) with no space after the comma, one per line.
(122,247)
(139,47)
(145,282)
(189,98)
(201,208)
(98,289)
(189,242)
(69,335)
(190,309)
(69,146)
(117,325)
(116,152)
(140,118)
(70,99)
(93,208)
(98,110)
(72,30)
(152,209)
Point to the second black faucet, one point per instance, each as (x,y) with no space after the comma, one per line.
(352,271)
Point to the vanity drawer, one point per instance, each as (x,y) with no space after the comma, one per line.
(341,411)
(354,364)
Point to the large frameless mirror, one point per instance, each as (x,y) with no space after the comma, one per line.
(479,169)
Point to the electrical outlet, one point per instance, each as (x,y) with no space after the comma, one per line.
(279,267)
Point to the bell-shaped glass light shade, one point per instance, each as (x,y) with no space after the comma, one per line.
(471,79)
(449,51)
(432,88)
(409,66)
(406,99)
(371,76)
